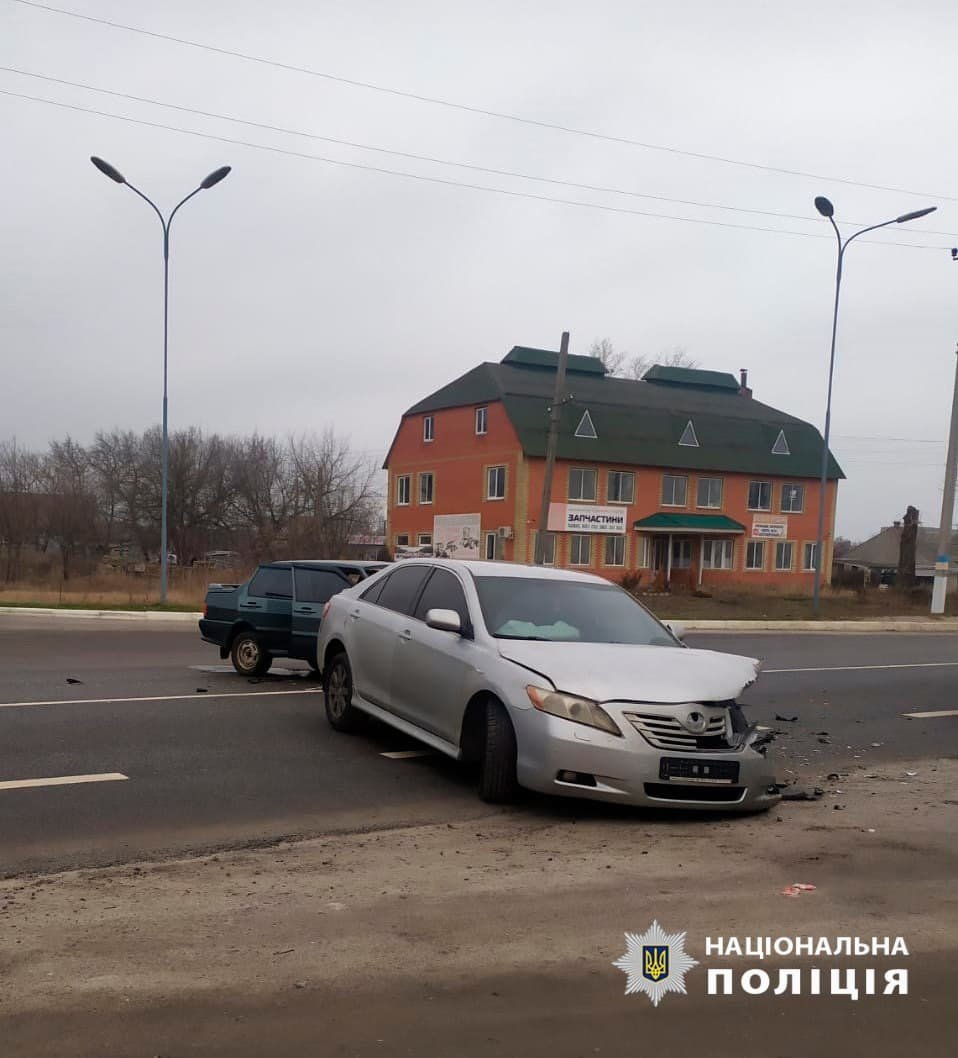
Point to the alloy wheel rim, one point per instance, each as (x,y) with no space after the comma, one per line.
(337,691)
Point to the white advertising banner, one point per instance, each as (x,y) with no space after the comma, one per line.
(586,518)
(765,528)
(456,536)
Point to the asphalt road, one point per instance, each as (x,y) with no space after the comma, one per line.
(214,760)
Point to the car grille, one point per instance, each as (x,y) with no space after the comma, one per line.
(667,732)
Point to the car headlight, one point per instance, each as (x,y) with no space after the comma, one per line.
(571,707)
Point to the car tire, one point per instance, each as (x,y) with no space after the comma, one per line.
(248,655)
(338,695)
(498,783)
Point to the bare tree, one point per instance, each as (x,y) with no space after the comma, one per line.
(70,509)
(19,505)
(621,364)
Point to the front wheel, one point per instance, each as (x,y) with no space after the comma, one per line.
(248,656)
(497,770)
(338,695)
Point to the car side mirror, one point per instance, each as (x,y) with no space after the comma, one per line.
(677,629)
(444,620)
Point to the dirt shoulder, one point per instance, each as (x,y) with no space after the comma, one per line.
(441,906)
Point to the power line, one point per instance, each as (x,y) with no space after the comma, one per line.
(441,180)
(425,157)
(500,115)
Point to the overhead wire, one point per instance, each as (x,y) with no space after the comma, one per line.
(446,182)
(513,174)
(451,104)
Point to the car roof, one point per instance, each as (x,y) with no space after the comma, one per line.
(483,568)
(320,563)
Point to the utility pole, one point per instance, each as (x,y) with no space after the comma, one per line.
(943,556)
(551,445)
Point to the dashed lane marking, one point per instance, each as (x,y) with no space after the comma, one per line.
(932,715)
(63,780)
(161,698)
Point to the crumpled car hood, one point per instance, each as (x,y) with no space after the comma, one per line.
(622,672)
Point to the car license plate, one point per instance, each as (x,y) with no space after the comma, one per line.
(703,771)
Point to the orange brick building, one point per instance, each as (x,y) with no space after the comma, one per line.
(682,477)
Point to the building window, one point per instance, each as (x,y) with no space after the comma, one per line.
(755,554)
(717,554)
(424,539)
(586,427)
(402,540)
(759,495)
(403,490)
(428,428)
(580,550)
(645,552)
(426,488)
(482,420)
(491,545)
(784,554)
(793,498)
(681,553)
(675,490)
(548,548)
(496,483)
(709,493)
(582,484)
(621,486)
(808,557)
(615,550)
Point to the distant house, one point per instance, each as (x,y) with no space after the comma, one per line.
(879,554)
(682,477)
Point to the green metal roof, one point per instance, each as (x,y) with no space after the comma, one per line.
(688,376)
(637,423)
(698,523)
(524,356)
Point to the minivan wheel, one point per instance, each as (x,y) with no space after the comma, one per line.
(497,770)
(338,695)
(248,656)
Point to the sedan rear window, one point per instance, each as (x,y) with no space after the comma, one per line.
(272,583)
(566,610)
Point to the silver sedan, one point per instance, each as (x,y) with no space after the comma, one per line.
(548,679)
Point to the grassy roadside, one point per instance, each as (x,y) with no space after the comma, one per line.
(136,607)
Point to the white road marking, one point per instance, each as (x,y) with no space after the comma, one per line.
(63,780)
(161,698)
(866,668)
(932,715)
(407,754)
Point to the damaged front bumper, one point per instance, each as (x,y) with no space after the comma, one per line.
(686,756)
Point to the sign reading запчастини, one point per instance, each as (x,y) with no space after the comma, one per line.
(582,518)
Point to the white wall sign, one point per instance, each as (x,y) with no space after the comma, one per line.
(770,527)
(456,536)
(582,518)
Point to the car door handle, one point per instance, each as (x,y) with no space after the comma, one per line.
(306,609)
(250,606)
(405,635)
(353,615)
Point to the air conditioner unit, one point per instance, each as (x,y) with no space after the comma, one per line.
(505,532)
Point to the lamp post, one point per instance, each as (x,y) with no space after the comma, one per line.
(827,210)
(214,178)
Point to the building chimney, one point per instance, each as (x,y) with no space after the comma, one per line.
(896,525)
(743,387)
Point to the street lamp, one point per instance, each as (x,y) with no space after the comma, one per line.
(211,181)
(827,210)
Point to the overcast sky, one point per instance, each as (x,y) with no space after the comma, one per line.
(307,294)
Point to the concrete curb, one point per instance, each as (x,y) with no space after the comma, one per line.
(891,624)
(112,615)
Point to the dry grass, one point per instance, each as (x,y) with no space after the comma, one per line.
(116,590)
(836,604)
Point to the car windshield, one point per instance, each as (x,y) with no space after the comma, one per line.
(566,611)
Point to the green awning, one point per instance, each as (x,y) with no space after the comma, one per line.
(688,523)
